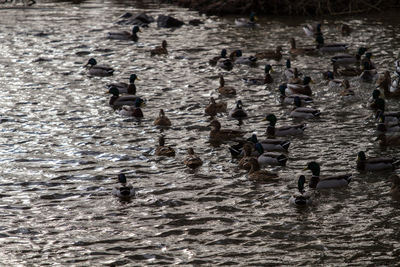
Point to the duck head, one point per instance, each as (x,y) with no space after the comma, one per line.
(164,44)
(114,91)
(135,30)
(368,55)
(271,118)
(139,102)
(361,156)
(361,51)
(307,80)
(253,139)
(239,104)
(288,63)
(375,94)
(282,89)
(215,124)
(122,178)
(300,183)
(238,53)
(329,75)
(253,17)
(314,168)
(320,40)
(133,78)
(91,62)
(268,68)
(259,148)
(223,53)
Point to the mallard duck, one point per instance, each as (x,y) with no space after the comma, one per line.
(261,81)
(388,140)
(303,112)
(332,82)
(162,120)
(321,46)
(282,131)
(163,150)
(237,112)
(257,175)
(124,191)
(117,101)
(376,102)
(390,118)
(389,89)
(347,94)
(327,182)
(305,99)
(240,59)
(295,79)
(270,54)
(217,133)
(192,160)
(348,72)
(225,90)
(225,63)
(125,35)
(213,108)
(133,111)
(311,30)
(271,144)
(124,87)
(289,72)
(368,74)
(98,70)
(294,50)
(346,59)
(160,50)
(301,89)
(243,22)
(302,199)
(386,127)
(395,189)
(247,155)
(374,164)
(270,158)
(215,60)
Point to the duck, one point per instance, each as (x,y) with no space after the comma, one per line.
(271,144)
(270,158)
(295,79)
(124,88)
(270,54)
(162,120)
(368,74)
(98,70)
(289,71)
(348,72)
(311,30)
(160,50)
(326,48)
(305,99)
(261,81)
(303,112)
(390,90)
(163,150)
(213,107)
(390,118)
(124,35)
(240,59)
(250,22)
(347,94)
(255,174)
(386,127)
(374,164)
(330,77)
(294,50)
(395,188)
(282,131)
(225,90)
(191,160)
(302,199)
(301,89)
(377,103)
(219,134)
(132,111)
(388,140)
(124,191)
(328,182)
(117,101)
(247,155)
(346,59)
(344,29)
(238,112)
(215,60)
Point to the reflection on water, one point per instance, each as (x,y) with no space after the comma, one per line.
(62,146)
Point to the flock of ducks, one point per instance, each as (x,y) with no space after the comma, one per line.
(254,154)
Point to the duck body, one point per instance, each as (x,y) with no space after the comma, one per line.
(271,144)
(374,164)
(250,22)
(125,88)
(214,108)
(303,112)
(301,89)
(219,134)
(250,61)
(131,111)
(257,175)
(215,60)
(261,81)
(160,50)
(98,70)
(390,89)
(117,101)
(238,112)
(388,140)
(329,48)
(294,50)
(124,35)
(162,120)
(346,59)
(124,191)
(192,161)
(225,90)
(329,181)
(163,150)
(270,54)
(283,131)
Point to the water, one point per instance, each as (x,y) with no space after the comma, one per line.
(62,147)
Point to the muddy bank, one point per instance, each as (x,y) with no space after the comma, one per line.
(287,7)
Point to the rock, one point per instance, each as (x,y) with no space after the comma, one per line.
(168,22)
(141,20)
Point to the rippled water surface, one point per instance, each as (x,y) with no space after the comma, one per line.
(62,147)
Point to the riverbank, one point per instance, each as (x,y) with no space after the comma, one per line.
(286,7)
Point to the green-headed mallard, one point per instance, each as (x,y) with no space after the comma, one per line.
(192,160)
(215,60)
(124,191)
(289,99)
(162,120)
(124,35)
(238,112)
(346,59)
(257,175)
(213,108)
(261,81)
(327,182)
(369,74)
(225,90)
(160,50)
(301,89)
(240,59)
(117,101)
(270,158)
(294,50)
(271,144)
(250,22)
(303,112)
(133,111)
(124,88)
(98,70)
(321,46)
(374,164)
(376,102)
(163,150)
(219,134)
(302,199)
(270,54)
(282,131)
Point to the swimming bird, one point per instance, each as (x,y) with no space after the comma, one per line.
(218,134)
(261,81)
(133,111)
(301,199)
(125,87)
(369,73)
(225,90)
(250,22)
(238,112)
(124,191)
(282,131)
(215,60)
(321,46)
(295,79)
(124,35)
(374,164)
(271,144)
(390,89)
(270,158)
(303,112)
(289,71)
(312,30)
(213,107)
(346,59)
(163,150)
(162,120)
(347,71)
(240,59)
(330,77)
(255,174)
(388,140)
(377,103)
(247,155)
(294,50)
(192,160)
(328,182)
(289,99)
(301,89)
(160,50)
(117,101)
(98,70)
(270,54)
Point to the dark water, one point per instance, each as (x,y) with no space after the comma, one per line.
(62,146)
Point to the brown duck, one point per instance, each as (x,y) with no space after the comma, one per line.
(257,175)
(225,90)
(162,120)
(160,50)
(219,134)
(213,108)
(163,150)
(192,160)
